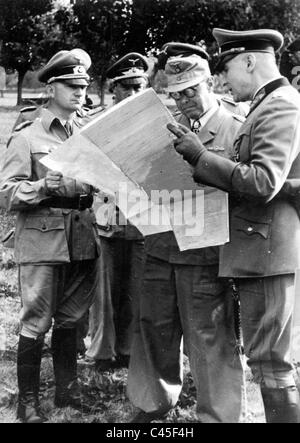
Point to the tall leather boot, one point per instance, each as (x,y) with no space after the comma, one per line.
(64,349)
(28,371)
(281,405)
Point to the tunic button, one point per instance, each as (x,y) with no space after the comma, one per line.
(250,229)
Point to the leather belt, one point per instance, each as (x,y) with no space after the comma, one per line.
(79,202)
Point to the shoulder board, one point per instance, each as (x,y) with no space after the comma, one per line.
(81,112)
(229,100)
(28,109)
(23,125)
(239,117)
(95,111)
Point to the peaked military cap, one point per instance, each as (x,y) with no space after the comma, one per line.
(130,69)
(177,49)
(233,43)
(69,66)
(185,72)
(174,49)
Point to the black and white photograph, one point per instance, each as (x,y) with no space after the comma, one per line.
(150,214)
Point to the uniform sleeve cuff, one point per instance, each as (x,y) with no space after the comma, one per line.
(41,188)
(214,170)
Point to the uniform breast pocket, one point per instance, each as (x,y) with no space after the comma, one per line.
(42,239)
(37,153)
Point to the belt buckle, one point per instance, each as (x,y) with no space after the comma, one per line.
(85,201)
(82,202)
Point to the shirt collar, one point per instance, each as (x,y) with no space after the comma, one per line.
(204,118)
(49,120)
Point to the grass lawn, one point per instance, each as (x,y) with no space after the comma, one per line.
(105,391)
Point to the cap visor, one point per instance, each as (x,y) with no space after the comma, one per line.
(75,81)
(184,85)
(132,80)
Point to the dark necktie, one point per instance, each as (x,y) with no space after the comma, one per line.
(68,128)
(196,126)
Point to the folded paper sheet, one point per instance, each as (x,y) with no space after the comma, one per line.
(128,151)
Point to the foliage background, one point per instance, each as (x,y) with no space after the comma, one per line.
(31,31)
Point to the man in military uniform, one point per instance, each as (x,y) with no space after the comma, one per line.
(122,250)
(25,118)
(56,243)
(181,293)
(173,49)
(263,183)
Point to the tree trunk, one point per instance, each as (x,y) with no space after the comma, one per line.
(101,89)
(102,94)
(21,75)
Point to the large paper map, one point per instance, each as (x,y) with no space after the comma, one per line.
(128,152)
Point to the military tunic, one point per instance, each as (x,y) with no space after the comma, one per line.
(182,296)
(264,253)
(56,248)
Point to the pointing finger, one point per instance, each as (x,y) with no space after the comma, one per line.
(175,130)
